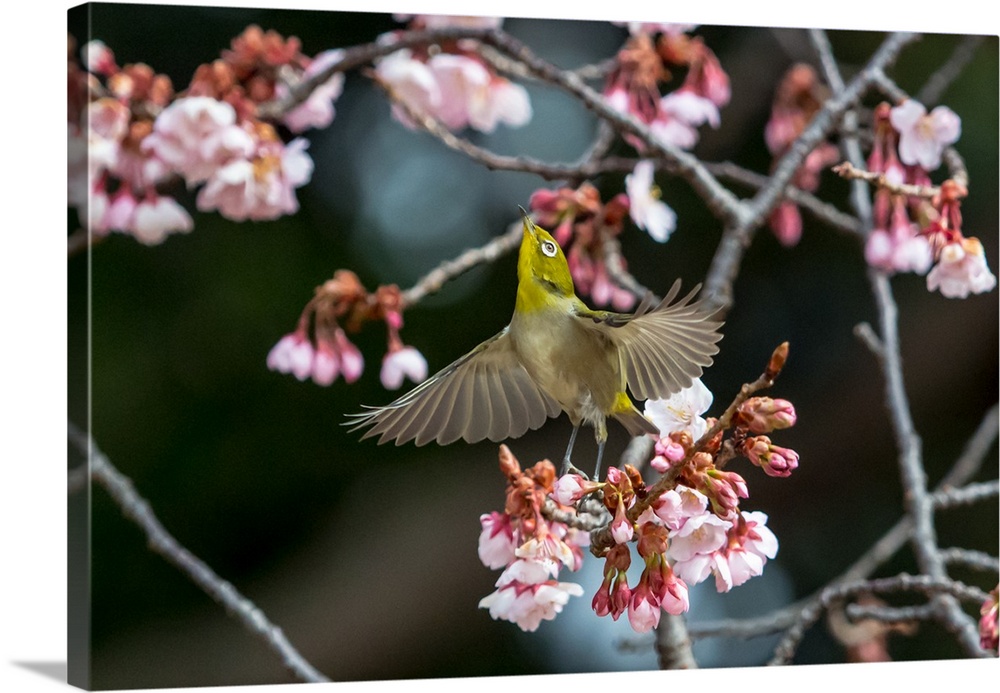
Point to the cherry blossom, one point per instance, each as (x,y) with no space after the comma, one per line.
(750,545)
(317,111)
(404,362)
(292,354)
(158,216)
(961,270)
(681,411)
(645,207)
(923,136)
(496,542)
(261,188)
(198,135)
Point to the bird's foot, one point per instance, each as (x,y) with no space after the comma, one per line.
(569,468)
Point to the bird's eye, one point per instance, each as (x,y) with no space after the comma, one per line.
(549,248)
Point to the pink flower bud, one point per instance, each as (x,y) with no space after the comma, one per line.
(774,460)
(352,363)
(326,365)
(621,527)
(570,488)
(763,414)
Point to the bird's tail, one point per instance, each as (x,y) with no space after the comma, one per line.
(635,423)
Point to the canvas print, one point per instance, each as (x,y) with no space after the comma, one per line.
(411,346)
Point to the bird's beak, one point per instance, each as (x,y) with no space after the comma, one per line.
(529,225)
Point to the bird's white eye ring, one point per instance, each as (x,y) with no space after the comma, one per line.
(549,248)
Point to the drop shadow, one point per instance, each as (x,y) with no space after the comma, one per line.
(52,670)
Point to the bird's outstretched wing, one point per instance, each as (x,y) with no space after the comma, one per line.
(662,350)
(485,394)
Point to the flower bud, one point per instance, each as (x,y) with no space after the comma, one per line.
(777,361)
(763,414)
(774,460)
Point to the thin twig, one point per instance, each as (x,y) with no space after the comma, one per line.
(823,212)
(614,262)
(923,584)
(971,558)
(891,614)
(450,269)
(138,510)
(967,495)
(848,171)
(937,84)
(498,162)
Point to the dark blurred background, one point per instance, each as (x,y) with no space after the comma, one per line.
(366,556)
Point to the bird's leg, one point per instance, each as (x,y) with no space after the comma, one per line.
(567,465)
(600,453)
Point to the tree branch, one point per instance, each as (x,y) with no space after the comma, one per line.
(138,510)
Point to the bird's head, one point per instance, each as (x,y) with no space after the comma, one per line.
(541,261)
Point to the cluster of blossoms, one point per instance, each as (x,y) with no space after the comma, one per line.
(450,81)
(141,136)
(112,178)
(644,63)
(799,96)
(529,547)
(319,349)
(686,527)
(582,225)
(908,146)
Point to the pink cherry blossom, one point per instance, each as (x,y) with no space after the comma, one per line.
(923,136)
(98,58)
(700,534)
(326,364)
(404,362)
(120,213)
(529,605)
(643,609)
(504,102)
(961,270)
(158,216)
(681,411)
(750,545)
(352,363)
(412,81)
(899,248)
(317,111)
(292,354)
(196,136)
(645,207)
(672,131)
(262,188)
(674,507)
(496,542)
(690,108)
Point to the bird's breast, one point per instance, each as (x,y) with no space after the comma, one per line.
(570,363)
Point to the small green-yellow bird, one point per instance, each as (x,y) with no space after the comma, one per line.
(556,355)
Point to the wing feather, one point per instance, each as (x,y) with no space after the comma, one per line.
(485,394)
(664,349)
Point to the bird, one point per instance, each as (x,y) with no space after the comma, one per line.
(556,355)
